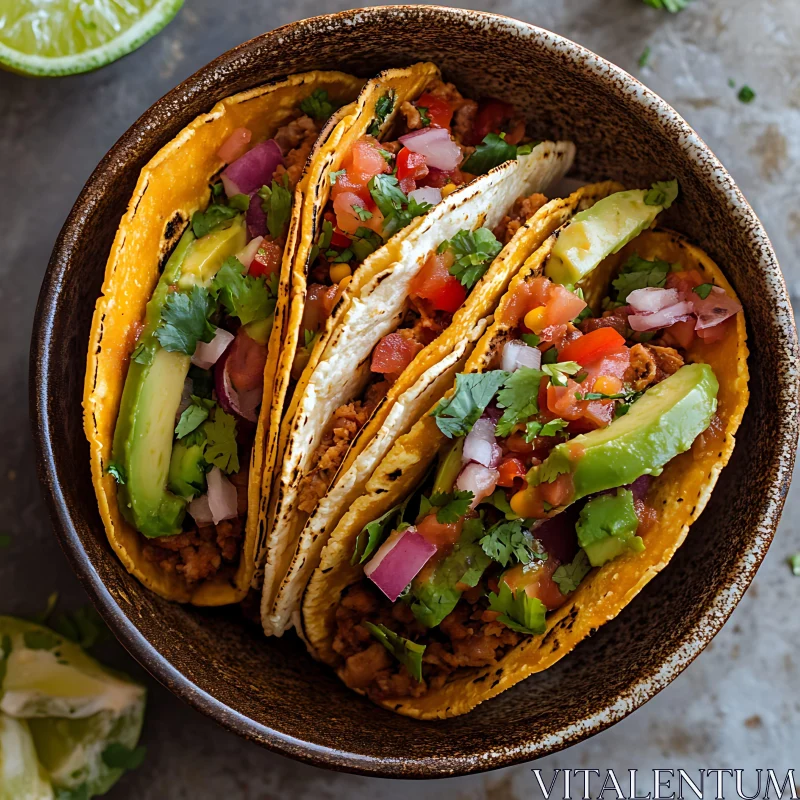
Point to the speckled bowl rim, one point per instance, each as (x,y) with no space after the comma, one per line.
(717,611)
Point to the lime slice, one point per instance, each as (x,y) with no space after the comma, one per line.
(76,708)
(62,37)
(21,776)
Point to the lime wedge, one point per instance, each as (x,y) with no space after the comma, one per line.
(21,776)
(76,708)
(62,37)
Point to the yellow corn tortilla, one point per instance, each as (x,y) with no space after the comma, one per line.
(171,187)
(679,494)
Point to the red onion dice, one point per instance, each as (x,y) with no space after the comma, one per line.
(517,354)
(253,170)
(200,511)
(479,480)
(435,144)
(660,319)
(652,299)
(398,561)
(240,406)
(480,445)
(716,308)
(427,194)
(255,217)
(207,354)
(222,500)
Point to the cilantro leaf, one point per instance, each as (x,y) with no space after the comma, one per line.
(317,105)
(372,535)
(334,176)
(511,541)
(184,321)
(221,449)
(557,372)
(277,205)
(568,576)
(519,397)
(638,273)
(408,653)
(662,193)
(245,296)
(143,352)
(673,6)
(451,505)
(117,472)
(397,209)
(118,756)
(746,94)
(703,290)
(627,394)
(241,202)
(533,429)
(794,563)
(531,339)
(424,116)
(490,153)
(365,243)
(203,222)
(518,611)
(193,416)
(474,251)
(383,108)
(455,415)
(362,213)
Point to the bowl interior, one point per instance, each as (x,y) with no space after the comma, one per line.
(270,690)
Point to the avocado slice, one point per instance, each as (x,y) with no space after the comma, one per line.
(143,438)
(603,229)
(659,426)
(449,467)
(607,527)
(187,474)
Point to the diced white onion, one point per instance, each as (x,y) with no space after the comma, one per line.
(652,299)
(247,254)
(230,186)
(427,194)
(481,446)
(479,480)
(207,354)
(517,354)
(661,319)
(222,500)
(200,511)
(435,144)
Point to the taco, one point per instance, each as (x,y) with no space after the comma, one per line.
(185,337)
(574,451)
(386,342)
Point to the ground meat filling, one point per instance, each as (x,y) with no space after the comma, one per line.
(347,421)
(296,140)
(650,365)
(469,637)
(199,553)
(522,210)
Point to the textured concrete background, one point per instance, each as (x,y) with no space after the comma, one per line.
(738,704)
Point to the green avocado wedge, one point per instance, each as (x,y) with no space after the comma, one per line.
(659,426)
(605,228)
(145,431)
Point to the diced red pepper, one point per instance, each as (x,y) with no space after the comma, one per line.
(410,168)
(510,469)
(439,111)
(592,347)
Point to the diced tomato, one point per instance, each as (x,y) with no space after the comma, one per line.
(410,168)
(561,400)
(511,469)
(394,353)
(680,334)
(537,581)
(364,159)
(267,259)
(516,444)
(338,239)
(246,362)
(562,306)
(442,534)
(490,118)
(438,178)
(344,205)
(440,112)
(599,412)
(524,297)
(592,347)
(435,284)
(684,281)
(716,332)
(319,302)
(558,492)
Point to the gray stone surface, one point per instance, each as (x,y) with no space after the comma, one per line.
(737,705)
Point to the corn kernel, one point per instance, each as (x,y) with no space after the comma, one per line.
(525,503)
(339,272)
(607,384)
(534,319)
(448,188)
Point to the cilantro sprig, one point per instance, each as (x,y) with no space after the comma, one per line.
(568,576)
(639,273)
(493,151)
(193,416)
(450,506)
(383,108)
(221,449)
(373,534)
(535,429)
(474,251)
(511,542)
(519,398)
(455,415)
(318,106)
(518,611)
(203,222)
(276,203)
(397,209)
(408,653)
(245,296)
(185,321)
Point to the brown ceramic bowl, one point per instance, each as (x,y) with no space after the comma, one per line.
(270,691)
